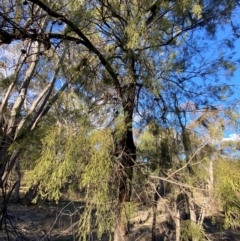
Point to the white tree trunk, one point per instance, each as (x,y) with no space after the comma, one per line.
(121,232)
(177,225)
(23,91)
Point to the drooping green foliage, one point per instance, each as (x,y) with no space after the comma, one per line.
(98,181)
(227,186)
(90,72)
(63,152)
(77,153)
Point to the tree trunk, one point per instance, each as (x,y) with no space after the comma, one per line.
(121,231)
(211,178)
(30,195)
(16,196)
(208,193)
(177,224)
(125,174)
(191,211)
(155,202)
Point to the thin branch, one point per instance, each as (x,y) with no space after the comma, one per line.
(177,183)
(194,154)
(85,41)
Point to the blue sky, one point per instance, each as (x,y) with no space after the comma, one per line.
(221,34)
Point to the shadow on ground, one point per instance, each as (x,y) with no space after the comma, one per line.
(58,222)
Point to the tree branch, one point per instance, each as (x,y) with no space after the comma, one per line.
(85,41)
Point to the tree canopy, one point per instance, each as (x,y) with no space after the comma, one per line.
(103,92)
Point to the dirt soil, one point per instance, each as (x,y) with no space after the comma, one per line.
(58,222)
(45,222)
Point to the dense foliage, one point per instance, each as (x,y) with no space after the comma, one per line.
(104,97)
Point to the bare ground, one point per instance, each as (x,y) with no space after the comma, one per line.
(58,222)
(45,222)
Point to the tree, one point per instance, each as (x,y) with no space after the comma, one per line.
(126,57)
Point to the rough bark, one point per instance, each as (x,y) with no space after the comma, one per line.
(125,174)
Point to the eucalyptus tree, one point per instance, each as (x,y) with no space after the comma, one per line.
(131,59)
(27,92)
